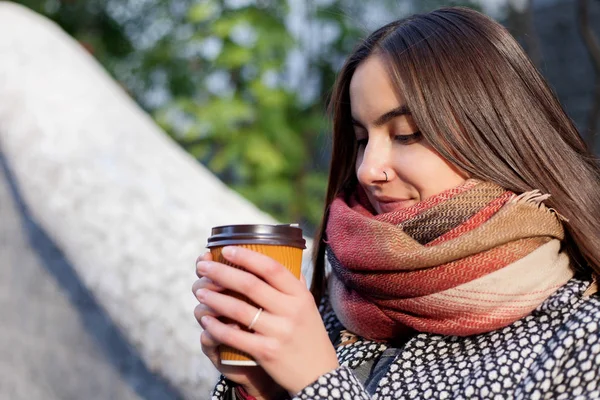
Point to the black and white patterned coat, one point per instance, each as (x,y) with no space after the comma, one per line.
(553,353)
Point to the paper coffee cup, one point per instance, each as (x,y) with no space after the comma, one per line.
(283,243)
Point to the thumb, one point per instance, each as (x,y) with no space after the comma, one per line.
(303,279)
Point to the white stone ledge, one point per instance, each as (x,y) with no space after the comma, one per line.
(130,209)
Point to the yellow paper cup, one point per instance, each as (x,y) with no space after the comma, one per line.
(283,243)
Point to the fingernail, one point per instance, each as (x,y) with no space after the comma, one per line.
(205,319)
(200,294)
(203,266)
(228,251)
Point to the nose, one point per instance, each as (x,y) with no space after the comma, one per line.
(372,161)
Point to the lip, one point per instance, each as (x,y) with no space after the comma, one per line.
(389,204)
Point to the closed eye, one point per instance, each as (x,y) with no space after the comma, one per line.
(409,139)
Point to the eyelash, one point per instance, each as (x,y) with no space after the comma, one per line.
(402,139)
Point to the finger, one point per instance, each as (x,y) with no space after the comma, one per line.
(210,347)
(240,312)
(206,283)
(264,267)
(208,342)
(302,279)
(201,310)
(259,346)
(240,281)
(204,257)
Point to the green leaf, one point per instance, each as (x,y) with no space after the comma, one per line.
(203,11)
(224,115)
(233,56)
(225,157)
(269,97)
(264,155)
(223,26)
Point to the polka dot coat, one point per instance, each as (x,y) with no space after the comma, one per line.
(553,353)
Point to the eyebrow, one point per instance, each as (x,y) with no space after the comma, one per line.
(387,117)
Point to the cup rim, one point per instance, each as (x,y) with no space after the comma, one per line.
(265,234)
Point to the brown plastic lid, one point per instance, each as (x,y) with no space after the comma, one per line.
(283,235)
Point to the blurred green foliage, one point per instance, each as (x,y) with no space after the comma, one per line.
(242,85)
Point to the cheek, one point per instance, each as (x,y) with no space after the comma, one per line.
(426,171)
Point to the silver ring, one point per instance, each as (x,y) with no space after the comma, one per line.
(386,178)
(260,310)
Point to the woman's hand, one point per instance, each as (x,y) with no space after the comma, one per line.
(289,339)
(254,379)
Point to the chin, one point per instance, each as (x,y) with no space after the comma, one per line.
(384,208)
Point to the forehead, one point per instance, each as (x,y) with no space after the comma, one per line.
(372,91)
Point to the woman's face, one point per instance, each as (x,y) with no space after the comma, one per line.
(389,141)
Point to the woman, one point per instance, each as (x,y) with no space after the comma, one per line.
(462,226)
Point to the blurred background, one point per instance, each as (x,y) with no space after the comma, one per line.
(241,86)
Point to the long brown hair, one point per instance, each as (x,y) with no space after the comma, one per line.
(482,104)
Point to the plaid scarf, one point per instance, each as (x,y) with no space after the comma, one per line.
(469,260)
